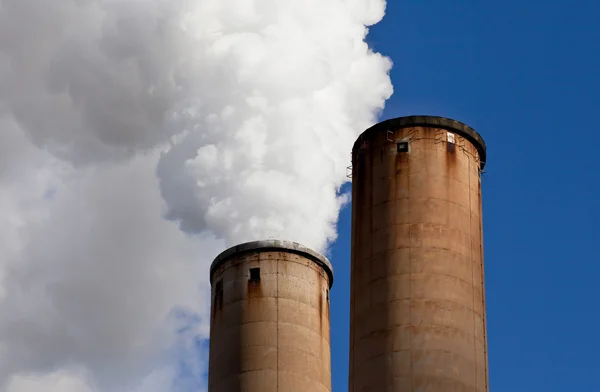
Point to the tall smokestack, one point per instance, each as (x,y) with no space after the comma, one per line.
(417,290)
(270,319)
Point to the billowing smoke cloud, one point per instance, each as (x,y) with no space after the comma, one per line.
(282,92)
(138,139)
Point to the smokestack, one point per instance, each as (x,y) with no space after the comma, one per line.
(270,319)
(417,291)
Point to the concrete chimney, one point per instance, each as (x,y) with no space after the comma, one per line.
(270,319)
(417,291)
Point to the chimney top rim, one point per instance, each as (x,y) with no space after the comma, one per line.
(272,244)
(429,122)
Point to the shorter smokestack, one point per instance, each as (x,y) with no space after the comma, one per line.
(270,319)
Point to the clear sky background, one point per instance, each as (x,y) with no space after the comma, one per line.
(526,76)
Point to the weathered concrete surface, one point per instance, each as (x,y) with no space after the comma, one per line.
(417,293)
(270,335)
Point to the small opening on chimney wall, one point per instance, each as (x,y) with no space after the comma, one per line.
(450,137)
(402,147)
(451,140)
(255,274)
(218,300)
(219,289)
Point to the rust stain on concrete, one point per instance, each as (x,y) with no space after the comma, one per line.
(273,333)
(415,320)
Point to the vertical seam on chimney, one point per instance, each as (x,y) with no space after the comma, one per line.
(370,204)
(410,277)
(277,318)
(484,311)
(472,276)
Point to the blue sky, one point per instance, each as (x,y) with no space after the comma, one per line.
(526,76)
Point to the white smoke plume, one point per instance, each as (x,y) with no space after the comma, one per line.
(138,138)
